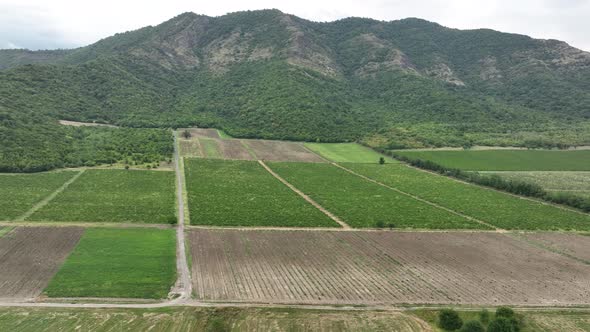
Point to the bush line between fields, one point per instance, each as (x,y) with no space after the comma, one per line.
(495,181)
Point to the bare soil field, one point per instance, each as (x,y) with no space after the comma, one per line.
(570,244)
(202,132)
(30,256)
(321,267)
(234,149)
(282,151)
(189,148)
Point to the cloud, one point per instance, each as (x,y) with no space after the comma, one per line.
(41,24)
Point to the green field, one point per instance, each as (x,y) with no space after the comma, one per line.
(576,183)
(125,263)
(507,160)
(20,192)
(210,148)
(347,152)
(223,135)
(497,208)
(243,193)
(114,196)
(361,203)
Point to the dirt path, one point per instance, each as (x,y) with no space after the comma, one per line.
(420,199)
(305,197)
(49,198)
(183,285)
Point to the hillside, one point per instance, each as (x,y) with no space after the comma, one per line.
(266,74)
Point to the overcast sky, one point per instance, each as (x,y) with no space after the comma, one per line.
(50,24)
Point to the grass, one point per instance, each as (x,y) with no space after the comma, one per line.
(361,203)
(497,208)
(571,182)
(20,192)
(243,193)
(5,230)
(347,152)
(202,320)
(125,263)
(507,160)
(223,135)
(210,148)
(114,196)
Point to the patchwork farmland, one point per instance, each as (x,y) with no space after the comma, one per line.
(272,223)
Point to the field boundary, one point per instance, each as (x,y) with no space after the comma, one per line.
(305,197)
(247,147)
(183,285)
(50,197)
(317,154)
(497,229)
(84,224)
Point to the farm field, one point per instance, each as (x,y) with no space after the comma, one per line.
(114,196)
(243,193)
(206,319)
(125,263)
(347,153)
(576,183)
(30,256)
(281,151)
(497,208)
(189,147)
(210,148)
(361,203)
(569,244)
(507,160)
(381,267)
(20,192)
(202,132)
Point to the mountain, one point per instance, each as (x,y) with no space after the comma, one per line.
(406,83)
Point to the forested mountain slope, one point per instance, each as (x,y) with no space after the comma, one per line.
(406,83)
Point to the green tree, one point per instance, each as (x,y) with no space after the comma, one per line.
(381,161)
(484,316)
(472,326)
(448,319)
(501,324)
(186,134)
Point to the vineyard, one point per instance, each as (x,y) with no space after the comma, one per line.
(114,196)
(243,193)
(496,208)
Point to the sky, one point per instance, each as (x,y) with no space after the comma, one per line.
(51,24)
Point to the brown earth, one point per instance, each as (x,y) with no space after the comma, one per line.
(281,151)
(233,149)
(201,132)
(574,245)
(189,148)
(30,256)
(324,267)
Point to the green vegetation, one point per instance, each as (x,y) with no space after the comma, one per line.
(194,319)
(361,203)
(506,160)
(114,196)
(50,145)
(341,84)
(223,134)
(210,148)
(20,192)
(347,152)
(554,181)
(125,263)
(504,320)
(494,207)
(243,193)
(5,230)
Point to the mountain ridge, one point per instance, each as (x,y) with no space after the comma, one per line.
(264,74)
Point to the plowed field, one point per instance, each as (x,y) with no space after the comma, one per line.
(281,151)
(381,267)
(29,257)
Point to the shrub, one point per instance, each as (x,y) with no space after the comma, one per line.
(448,319)
(504,312)
(484,316)
(472,326)
(501,324)
(380,224)
(381,160)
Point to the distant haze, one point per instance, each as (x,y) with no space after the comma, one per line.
(41,24)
